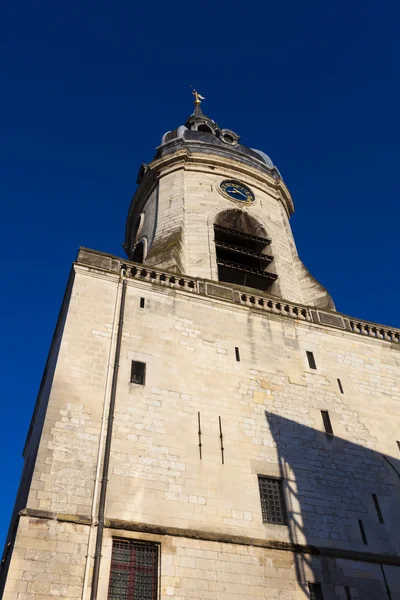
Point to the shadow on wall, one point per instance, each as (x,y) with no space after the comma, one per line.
(344,499)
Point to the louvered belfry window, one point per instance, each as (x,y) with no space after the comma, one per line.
(272,500)
(242,258)
(134,571)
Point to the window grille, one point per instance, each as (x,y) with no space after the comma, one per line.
(311,360)
(134,571)
(138,372)
(272,500)
(315,591)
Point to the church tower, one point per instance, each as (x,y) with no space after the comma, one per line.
(208,426)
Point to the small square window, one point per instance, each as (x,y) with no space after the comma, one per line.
(134,571)
(311,360)
(315,591)
(272,500)
(138,372)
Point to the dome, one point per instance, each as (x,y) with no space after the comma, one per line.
(265,157)
(171,135)
(204,134)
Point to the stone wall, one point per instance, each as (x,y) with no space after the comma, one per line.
(48,560)
(269,403)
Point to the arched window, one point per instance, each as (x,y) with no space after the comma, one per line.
(241,245)
(204,128)
(138,252)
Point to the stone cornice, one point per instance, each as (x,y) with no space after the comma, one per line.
(222,538)
(238,295)
(186,158)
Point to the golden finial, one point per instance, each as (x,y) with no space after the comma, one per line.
(197,96)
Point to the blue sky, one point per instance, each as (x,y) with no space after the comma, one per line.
(89,88)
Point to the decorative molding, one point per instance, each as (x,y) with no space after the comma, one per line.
(222,538)
(238,295)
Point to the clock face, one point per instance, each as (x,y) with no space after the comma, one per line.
(234,190)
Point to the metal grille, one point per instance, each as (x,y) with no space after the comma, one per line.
(134,567)
(272,501)
(315,591)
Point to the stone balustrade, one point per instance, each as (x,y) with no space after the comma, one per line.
(272,306)
(224,291)
(162,278)
(375,331)
(276,307)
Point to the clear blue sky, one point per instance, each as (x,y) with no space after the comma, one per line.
(88,88)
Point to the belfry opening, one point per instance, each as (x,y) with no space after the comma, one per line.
(242,245)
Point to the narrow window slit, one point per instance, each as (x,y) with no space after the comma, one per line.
(348,594)
(237,354)
(142,302)
(138,372)
(200,444)
(327,422)
(398,444)
(311,360)
(315,591)
(340,386)
(221,437)
(378,508)
(362,531)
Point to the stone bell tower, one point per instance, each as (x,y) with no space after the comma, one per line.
(208,426)
(212,207)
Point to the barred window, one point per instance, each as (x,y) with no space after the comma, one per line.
(315,591)
(272,500)
(134,570)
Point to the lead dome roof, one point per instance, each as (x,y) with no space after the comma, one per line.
(203,134)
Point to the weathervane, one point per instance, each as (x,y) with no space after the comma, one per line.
(198,97)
